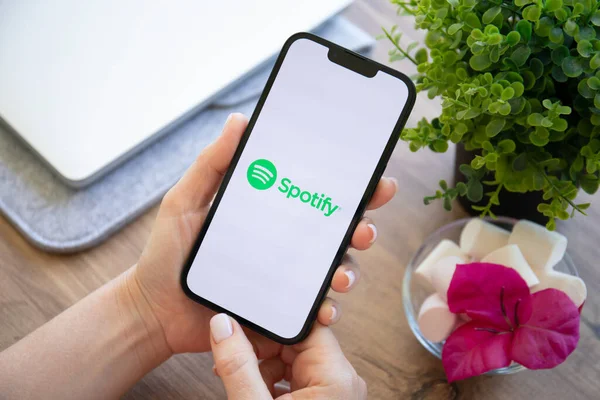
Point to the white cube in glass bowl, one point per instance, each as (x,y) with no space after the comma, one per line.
(415,291)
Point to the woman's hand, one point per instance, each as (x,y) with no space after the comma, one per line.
(315,368)
(156,277)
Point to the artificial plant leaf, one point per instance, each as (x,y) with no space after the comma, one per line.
(596,18)
(571,67)
(421,56)
(556,35)
(495,126)
(589,183)
(594,83)
(520,162)
(472,20)
(524,29)
(452,29)
(537,67)
(595,61)
(520,55)
(553,5)
(506,146)
(571,28)
(490,14)
(559,54)
(470,351)
(584,48)
(532,13)
(550,332)
(480,62)
(513,38)
(487,292)
(544,26)
(474,191)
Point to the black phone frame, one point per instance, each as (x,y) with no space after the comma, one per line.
(361,65)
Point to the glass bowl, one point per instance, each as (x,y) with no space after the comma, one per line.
(414,291)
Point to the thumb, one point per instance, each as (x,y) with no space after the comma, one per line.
(235,360)
(198,185)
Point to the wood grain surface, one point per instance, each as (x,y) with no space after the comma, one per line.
(35,286)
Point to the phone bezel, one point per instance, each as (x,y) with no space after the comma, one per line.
(381,165)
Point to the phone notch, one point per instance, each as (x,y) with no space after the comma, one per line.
(352,61)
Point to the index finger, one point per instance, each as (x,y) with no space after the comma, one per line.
(320,337)
(386,189)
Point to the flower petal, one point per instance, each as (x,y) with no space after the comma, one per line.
(470,352)
(476,289)
(551,332)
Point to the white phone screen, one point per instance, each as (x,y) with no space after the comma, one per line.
(297,185)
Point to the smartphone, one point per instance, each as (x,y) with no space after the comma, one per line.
(314,150)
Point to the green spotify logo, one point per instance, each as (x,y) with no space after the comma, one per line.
(262,174)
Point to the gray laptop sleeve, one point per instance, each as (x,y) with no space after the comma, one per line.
(57,218)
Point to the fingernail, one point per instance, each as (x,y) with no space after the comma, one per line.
(334,313)
(220,327)
(351,277)
(394,181)
(374,230)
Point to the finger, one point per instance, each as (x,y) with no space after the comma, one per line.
(263,348)
(364,235)
(288,355)
(272,371)
(200,182)
(346,275)
(330,312)
(321,362)
(321,337)
(235,360)
(386,189)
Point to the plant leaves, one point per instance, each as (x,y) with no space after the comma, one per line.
(550,332)
(490,14)
(571,67)
(596,18)
(589,183)
(513,38)
(495,126)
(475,191)
(487,292)
(480,62)
(553,5)
(452,29)
(470,352)
(524,28)
(559,54)
(532,13)
(520,55)
(584,48)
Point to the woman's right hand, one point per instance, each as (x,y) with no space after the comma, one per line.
(316,368)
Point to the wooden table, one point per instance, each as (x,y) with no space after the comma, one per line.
(35,286)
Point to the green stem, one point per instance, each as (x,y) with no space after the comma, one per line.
(514,10)
(575,207)
(387,34)
(489,205)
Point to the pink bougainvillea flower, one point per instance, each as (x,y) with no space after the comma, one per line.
(507,324)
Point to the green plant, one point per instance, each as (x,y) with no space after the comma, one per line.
(520,86)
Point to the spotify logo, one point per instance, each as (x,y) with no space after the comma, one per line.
(262,174)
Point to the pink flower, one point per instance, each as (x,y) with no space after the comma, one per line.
(507,324)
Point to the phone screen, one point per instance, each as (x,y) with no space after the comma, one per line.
(293,196)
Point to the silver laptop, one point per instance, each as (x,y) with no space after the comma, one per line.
(87,83)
